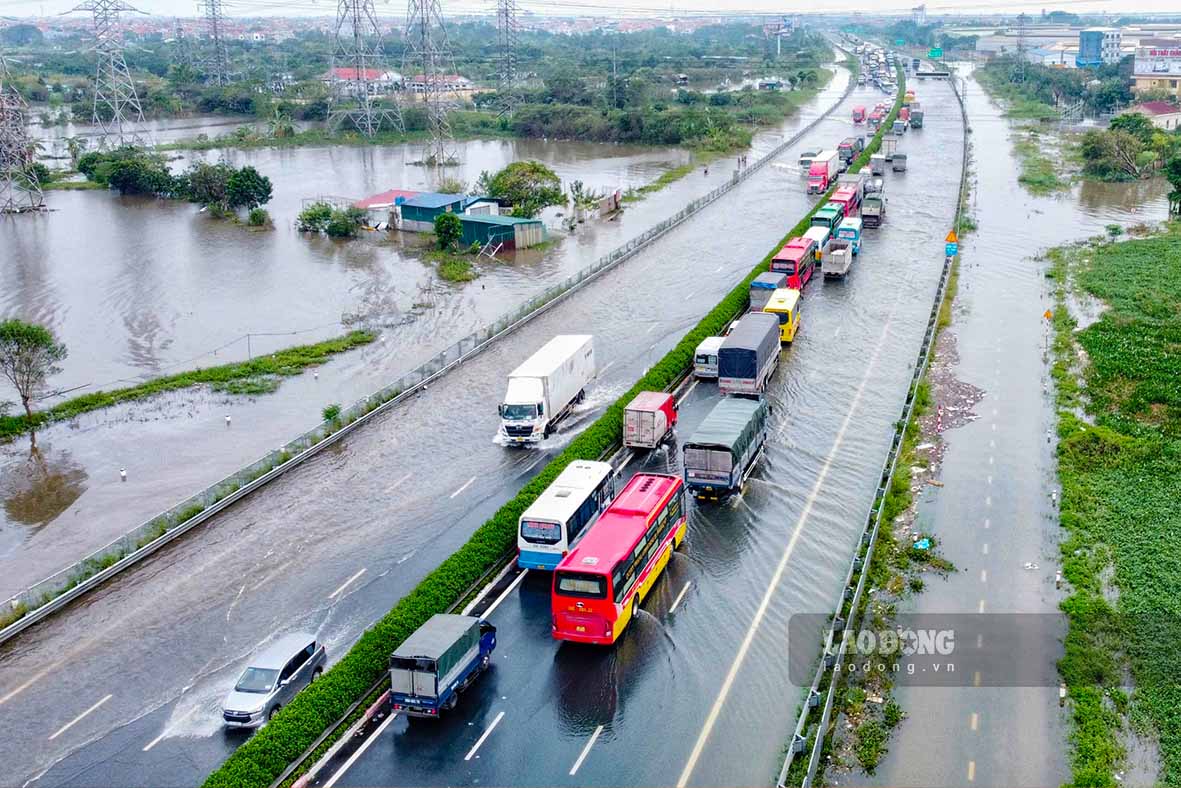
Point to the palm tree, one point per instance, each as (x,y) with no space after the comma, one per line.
(75,146)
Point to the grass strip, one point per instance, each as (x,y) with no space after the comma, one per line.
(257,376)
(262,759)
(1119,464)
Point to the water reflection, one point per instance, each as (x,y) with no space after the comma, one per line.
(42,486)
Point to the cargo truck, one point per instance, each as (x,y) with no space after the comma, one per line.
(836,259)
(436,663)
(899,164)
(649,419)
(723,450)
(749,356)
(877,163)
(546,387)
(763,286)
(916,117)
(889,146)
(849,147)
(806,159)
(822,171)
(873,209)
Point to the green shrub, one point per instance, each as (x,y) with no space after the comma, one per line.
(331,412)
(314,218)
(258,217)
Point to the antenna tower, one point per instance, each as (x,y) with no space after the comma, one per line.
(508,30)
(116,105)
(217,67)
(358,70)
(20,191)
(428,51)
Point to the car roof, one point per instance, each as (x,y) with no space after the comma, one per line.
(276,655)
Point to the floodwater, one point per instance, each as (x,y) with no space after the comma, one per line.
(139,287)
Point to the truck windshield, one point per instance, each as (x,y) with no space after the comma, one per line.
(518,411)
(541,533)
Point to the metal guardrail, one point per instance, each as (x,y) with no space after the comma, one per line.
(850,594)
(59,589)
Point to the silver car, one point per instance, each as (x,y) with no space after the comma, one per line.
(272,679)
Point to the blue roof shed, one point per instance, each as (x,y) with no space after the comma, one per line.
(426,206)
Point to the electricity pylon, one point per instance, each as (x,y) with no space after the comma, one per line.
(428,50)
(116,105)
(359,71)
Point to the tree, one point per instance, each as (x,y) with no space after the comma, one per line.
(29,355)
(1136,124)
(206,183)
(529,186)
(314,218)
(448,230)
(246,188)
(141,175)
(1173,174)
(75,146)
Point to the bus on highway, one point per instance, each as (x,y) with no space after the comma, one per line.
(599,586)
(561,515)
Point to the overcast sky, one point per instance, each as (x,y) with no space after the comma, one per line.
(621,8)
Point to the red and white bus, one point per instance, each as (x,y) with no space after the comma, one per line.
(599,586)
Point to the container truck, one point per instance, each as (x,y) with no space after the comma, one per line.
(889,146)
(899,128)
(546,387)
(836,259)
(436,663)
(649,419)
(822,171)
(877,163)
(749,356)
(724,449)
(763,286)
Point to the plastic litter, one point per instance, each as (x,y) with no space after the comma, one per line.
(922,544)
(1030,565)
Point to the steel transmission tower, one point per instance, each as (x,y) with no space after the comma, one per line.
(359,71)
(217,61)
(508,32)
(428,56)
(1021,52)
(20,190)
(181,53)
(116,105)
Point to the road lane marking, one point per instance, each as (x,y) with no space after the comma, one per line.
(980,609)
(651,328)
(990,480)
(976,679)
(994,427)
(975,721)
(32,680)
(164,732)
(396,484)
(983,575)
(606,367)
(984,548)
(991,459)
(987,523)
(466,484)
(988,500)
(680,596)
(230,609)
(712,718)
(971,771)
(360,751)
(979,640)
(505,594)
(991,443)
(689,390)
(79,718)
(480,740)
(347,583)
(586,750)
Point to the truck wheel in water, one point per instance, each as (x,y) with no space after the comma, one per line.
(450,704)
(581,397)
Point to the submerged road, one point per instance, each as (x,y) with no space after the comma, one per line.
(698,691)
(166,640)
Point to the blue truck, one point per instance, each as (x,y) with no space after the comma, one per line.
(440,660)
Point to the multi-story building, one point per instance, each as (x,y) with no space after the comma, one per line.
(1098,46)
(1158,67)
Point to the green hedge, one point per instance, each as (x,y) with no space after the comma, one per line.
(260,761)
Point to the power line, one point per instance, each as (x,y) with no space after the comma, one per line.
(428,49)
(116,104)
(20,190)
(359,72)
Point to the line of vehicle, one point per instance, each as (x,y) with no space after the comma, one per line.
(79,718)
(472,752)
(814,494)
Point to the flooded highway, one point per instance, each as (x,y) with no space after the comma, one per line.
(149,286)
(394,499)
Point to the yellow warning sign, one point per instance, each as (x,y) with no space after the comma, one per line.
(1048,314)
(952,237)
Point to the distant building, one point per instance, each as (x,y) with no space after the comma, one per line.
(918,15)
(1162,114)
(380,82)
(1098,46)
(1158,66)
(418,83)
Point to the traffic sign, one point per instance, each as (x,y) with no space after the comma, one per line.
(900,42)
(952,250)
(935,53)
(1048,314)
(952,238)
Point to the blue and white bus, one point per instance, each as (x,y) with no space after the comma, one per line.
(553,523)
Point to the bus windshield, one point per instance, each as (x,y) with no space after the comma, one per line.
(541,533)
(581,584)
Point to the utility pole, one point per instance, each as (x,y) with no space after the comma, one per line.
(508,32)
(1021,56)
(614,77)
(116,105)
(428,49)
(359,71)
(217,68)
(20,191)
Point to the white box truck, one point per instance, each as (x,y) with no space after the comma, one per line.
(544,389)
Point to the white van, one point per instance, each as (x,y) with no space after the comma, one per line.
(705,358)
